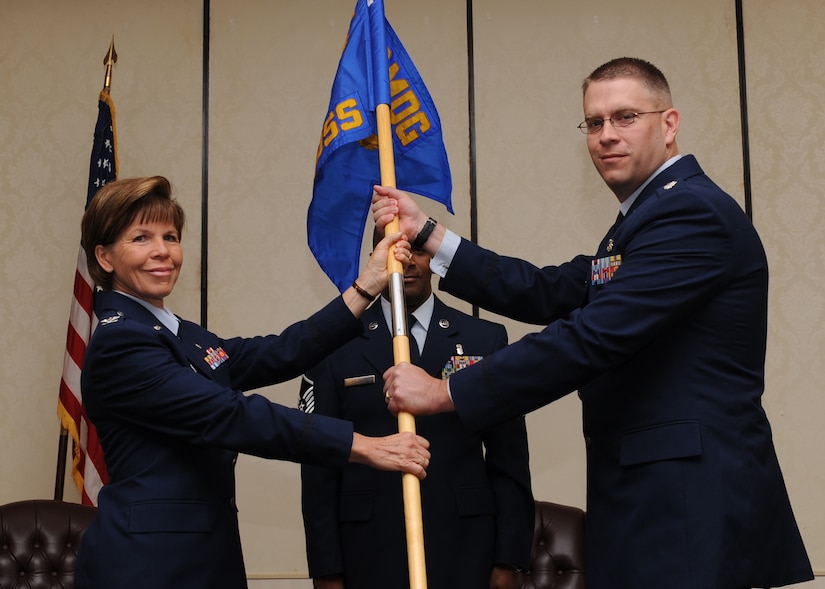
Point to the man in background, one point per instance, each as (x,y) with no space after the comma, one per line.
(477,504)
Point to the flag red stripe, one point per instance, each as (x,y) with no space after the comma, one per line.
(75,346)
(70,403)
(96,453)
(83,292)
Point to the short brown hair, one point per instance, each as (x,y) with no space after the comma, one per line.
(633,67)
(116,206)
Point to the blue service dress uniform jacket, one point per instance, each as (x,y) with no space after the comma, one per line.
(172,416)
(476,512)
(663,333)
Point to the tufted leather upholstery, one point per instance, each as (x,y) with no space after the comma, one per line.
(557,559)
(39,539)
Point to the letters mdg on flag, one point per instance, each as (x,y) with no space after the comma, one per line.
(412,113)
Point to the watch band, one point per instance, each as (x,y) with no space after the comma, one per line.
(424,234)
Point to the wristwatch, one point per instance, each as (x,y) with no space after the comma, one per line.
(424,234)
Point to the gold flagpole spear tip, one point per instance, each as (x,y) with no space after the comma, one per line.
(109,61)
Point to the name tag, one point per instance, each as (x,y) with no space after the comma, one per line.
(356,381)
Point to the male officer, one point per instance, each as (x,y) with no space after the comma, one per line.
(478,508)
(663,332)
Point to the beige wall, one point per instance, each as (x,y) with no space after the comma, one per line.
(272,65)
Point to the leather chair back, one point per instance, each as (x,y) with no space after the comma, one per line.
(557,559)
(39,539)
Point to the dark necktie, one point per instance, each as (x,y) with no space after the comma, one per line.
(415,355)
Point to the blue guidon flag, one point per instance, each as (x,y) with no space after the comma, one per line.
(374,69)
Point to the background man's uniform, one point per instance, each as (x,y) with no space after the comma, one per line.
(477,512)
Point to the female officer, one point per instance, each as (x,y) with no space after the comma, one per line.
(166,397)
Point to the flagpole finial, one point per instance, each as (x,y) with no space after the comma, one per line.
(109,61)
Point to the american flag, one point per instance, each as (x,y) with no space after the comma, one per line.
(88,468)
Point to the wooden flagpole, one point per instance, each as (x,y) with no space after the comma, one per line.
(401,353)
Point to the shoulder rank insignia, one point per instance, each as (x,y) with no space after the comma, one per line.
(112,319)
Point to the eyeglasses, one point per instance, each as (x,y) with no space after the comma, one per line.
(623,118)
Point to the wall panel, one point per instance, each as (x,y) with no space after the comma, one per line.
(786,88)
